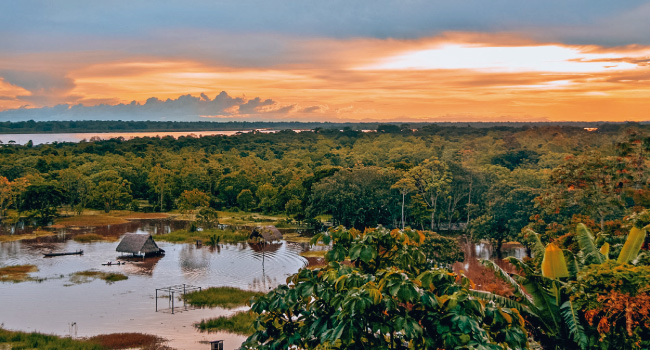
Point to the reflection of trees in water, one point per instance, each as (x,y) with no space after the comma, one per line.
(265,247)
(140,266)
(194,260)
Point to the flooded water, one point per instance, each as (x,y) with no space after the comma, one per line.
(57,305)
(38,139)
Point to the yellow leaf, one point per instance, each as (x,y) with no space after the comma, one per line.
(554,264)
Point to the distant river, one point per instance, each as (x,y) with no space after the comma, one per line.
(38,139)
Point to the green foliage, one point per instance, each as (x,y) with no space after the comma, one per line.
(28,341)
(43,199)
(377,292)
(358,197)
(441,250)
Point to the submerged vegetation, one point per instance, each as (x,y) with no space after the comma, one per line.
(90,275)
(225,297)
(16,273)
(93,237)
(187,236)
(239,323)
(128,341)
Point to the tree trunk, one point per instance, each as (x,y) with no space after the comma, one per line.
(498,248)
(403,198)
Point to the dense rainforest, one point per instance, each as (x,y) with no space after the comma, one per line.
(554,188)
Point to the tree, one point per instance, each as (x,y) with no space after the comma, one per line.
(76,188)
(44,200)
(160,179)
(432,180)
(190,200)
(385,298)
(405,186)
(245,199)
(357,197)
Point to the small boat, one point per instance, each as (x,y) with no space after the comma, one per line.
(110,263)
(66,253)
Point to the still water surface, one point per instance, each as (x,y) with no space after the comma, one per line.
(56,303)
(38,139)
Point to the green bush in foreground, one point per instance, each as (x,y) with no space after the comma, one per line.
(377,292)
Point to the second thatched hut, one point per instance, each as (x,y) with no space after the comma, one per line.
(265,234)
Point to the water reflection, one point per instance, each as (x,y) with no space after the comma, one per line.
(97,307)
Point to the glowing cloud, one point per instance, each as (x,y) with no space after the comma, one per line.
(543,58)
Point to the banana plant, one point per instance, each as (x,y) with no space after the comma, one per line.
(538,290)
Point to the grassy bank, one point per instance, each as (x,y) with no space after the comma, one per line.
(93,237)
(226,297)
(240,323)
(90,275)
(16,273)
(28,341)
(35,234)
(185,236)
(21,340)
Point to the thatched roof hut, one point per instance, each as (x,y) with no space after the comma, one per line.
(265,234)
(138,244)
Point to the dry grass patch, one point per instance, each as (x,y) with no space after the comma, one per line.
(91,220)
(294,237)
(16,273)
(35,234)
(146,216)
(186,236)
(90,275)
(128,341)
(93,237)
(314,254)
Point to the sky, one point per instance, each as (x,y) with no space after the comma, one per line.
(335,60)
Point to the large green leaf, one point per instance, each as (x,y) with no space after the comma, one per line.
(572,321)
(504,276)
(632,245)
(586,242)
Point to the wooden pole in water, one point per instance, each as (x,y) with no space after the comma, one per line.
(156,299)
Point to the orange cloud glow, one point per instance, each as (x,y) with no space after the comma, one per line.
(460,76)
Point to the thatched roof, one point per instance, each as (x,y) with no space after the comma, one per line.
(137,244)
(266,233)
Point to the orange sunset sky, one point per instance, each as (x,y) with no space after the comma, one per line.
(272,60)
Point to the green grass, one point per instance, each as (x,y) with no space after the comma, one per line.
(226,297)
(240,323)
(28,341)
(90,275)
(185,236)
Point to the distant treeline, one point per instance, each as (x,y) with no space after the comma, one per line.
(157,126)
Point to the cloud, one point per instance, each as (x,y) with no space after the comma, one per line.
(42,87)
(185,107)
(255,105)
